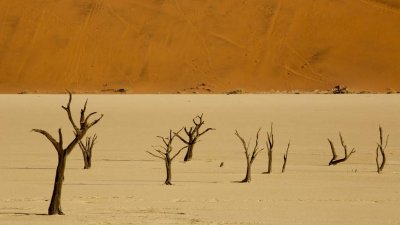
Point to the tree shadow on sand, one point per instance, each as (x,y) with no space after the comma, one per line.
(22,214)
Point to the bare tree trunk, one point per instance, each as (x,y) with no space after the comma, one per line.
(87,160)
(270,147)
(55,204)
(382,165)
(377,160)
(189,153)
(168,167)
(247,179)
(381,148)
(87,149)
(269,161)
(285,156)
(383,161)
(284,164)
(250,156)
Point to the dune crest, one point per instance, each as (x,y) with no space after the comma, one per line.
(206,46)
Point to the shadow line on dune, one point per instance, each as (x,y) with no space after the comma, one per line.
(193,181)
(238,182)
(125,160)
(33,168)
(114,184)
(22,214)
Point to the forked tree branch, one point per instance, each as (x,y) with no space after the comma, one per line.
(381,149)
(334,159)
(68,110)
(245,145)
(177,153)
(49,137)
(256,149)
(167,148)
(78,131)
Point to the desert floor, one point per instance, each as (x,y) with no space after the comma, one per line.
(125,184)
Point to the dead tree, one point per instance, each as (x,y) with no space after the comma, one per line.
(87,150)
(164,153)
(250,156)
(84,126)
(193,134)
(285,156)
(334,159)
(270,146)
(381,149)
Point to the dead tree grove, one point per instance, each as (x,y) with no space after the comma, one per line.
(87,149)
(347,154)
(250,156)
(163,152)
(193,134)
(79,131)
(270,147)
(381,149)
(285,156)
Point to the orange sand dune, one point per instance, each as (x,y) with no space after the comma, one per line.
(150,46)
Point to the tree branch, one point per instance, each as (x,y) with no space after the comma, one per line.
(183,140)
(60,139)
(163,139)
(82,119)
(49,137)
(208,129)
(68,110)
(94,122)
(242,140)
(154,155)
(173,157)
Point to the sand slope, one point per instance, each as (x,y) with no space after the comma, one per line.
(170,45)
(125,185)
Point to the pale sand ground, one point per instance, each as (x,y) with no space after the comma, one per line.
(125,185)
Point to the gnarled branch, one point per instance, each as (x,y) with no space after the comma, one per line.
(50,138)
(285,156)
(381,149)
(334,159)
(68,110)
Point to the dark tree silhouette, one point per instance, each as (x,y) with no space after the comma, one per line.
(381,149)
(285,156)
(163,152)
(334,159)
(193,134)
(270,147)
(84,126)
(250,156)
(87,149)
